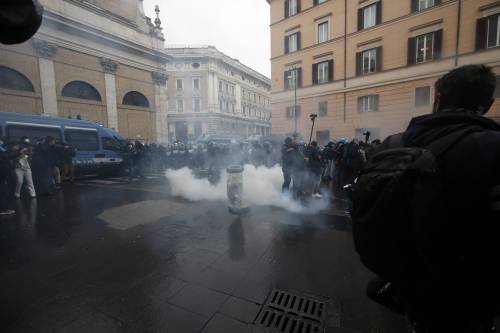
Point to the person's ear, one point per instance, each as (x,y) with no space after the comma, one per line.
(487,107)
(437,102)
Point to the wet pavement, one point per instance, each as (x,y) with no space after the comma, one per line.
(108,256)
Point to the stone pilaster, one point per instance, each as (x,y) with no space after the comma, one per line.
(46,53)
(109,67)
(161,105)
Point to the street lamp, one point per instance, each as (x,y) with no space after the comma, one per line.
(293,71)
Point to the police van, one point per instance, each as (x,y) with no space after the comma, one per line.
(97,148)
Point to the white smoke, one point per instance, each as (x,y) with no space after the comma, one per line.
(261,187)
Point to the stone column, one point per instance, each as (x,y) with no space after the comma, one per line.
(161,103)
(109,67)
(46,52)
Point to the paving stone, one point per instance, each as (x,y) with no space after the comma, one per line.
(168,318)
(240,309)
(223,324)
(199,300)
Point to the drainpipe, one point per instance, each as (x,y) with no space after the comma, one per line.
(459,19)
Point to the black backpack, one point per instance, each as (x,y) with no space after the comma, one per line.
(393,195)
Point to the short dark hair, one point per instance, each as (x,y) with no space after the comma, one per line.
(469,87)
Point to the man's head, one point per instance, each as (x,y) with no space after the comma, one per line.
(469,87)
(314,144)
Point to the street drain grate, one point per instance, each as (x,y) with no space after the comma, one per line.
(288,312)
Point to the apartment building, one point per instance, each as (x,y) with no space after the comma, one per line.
(212,93)
(371,64)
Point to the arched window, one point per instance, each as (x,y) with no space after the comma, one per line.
(135,98)
(12,79)
(82,90)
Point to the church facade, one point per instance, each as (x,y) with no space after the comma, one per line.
(101,60)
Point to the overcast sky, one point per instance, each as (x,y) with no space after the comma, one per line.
(239,28)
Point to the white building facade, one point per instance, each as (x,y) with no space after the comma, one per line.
(212,93)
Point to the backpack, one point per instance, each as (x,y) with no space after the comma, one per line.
(391,198)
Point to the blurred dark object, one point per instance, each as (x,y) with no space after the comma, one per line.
(19,20)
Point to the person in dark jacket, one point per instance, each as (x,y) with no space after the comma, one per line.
(459,290)
(287,163)
(314,166)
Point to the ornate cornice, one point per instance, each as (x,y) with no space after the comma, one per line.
(109,66)
(159,78)
(44,49)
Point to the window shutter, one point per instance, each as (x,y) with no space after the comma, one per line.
(315,2)
(438,44)
(360,19)
(482,25)
(359,63)
(286,44)
(315,74)
(380,60)
(379,12)
(285,80)
(330,70)
(376,102)
(437,2)
(414,6)
(287,8)
(299,77)
(298,6)
(298,40)
(412,48)
(360,104)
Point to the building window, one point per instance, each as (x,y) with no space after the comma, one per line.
(322,137)
(220,86)
(196,83)
(292,7)
(368,103)
(293,77)
(135,98)
(322,108)
(422,96)
(425,48)
(292,42)
(197,105)
(81,90)
(227,88)
(179,84)
(227,106)
(323,29)
(369,61)
(424,4)
(232,90)
(180,105)
(290,112)
(370,16)
(323,72)
(488,32)
(232,107)
(14,80)
(493,31)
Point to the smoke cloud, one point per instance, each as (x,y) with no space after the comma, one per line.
(261,187)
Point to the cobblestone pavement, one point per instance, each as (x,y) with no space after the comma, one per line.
(109,256)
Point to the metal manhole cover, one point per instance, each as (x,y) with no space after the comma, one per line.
(288,312)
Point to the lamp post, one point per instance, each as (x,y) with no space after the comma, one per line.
(293,76)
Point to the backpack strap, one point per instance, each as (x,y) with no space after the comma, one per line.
(442,145)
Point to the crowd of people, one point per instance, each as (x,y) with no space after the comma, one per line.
(310,170)
(33,169)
